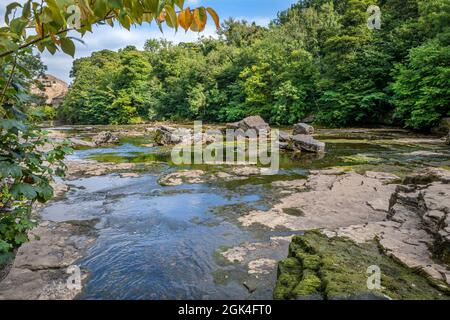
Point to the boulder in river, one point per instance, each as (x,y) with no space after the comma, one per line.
(105,138)
(303,128)
(165,135)
(250,123)
(307,143)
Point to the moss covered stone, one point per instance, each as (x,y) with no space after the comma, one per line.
(336,268)
(309,285)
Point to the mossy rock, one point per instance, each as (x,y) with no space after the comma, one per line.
(337,269)
(309,286)
(290,266)
(286,283)
(309,261)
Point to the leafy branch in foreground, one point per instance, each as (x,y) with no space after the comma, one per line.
(28,159)
(51,20)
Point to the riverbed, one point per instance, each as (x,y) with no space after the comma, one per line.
(185,241)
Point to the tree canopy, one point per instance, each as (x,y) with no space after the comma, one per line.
(317,58)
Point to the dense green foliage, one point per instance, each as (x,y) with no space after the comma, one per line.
(28,160)
(317,58)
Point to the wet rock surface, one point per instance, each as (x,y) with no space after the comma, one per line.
(331,199)
(39,271)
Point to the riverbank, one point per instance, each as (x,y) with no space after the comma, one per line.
(238,224)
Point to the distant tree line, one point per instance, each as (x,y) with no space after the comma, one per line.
(317,58)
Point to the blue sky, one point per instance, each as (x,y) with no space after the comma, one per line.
(104,37)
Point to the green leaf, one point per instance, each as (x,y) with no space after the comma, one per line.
(25,190)
(8,169)
(26,12)
(171,17)
(68,46)
(9,10)
(18,25)
(180,4)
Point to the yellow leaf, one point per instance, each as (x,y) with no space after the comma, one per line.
(185,19)
(200,18)
(39,30)
(215,16)
(194,26)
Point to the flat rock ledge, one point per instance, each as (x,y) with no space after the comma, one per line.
(409,222)
(39,271)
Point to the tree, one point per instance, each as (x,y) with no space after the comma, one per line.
(422,82)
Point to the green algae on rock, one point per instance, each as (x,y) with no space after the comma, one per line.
(319,267)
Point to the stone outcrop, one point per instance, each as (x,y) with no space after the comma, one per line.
(52,89)
(415,232)
(303,142)
(336,268)
(166,136)
(303,128)
(332,199)
(104,138)
(409,222)
(39,271)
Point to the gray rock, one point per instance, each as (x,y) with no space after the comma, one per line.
(447,139)
(307,143)
(81,143)
(165,135)
(254,123)
(303,128)
(285,137)
(105,138)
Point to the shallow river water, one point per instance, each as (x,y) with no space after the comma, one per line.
(160,242)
